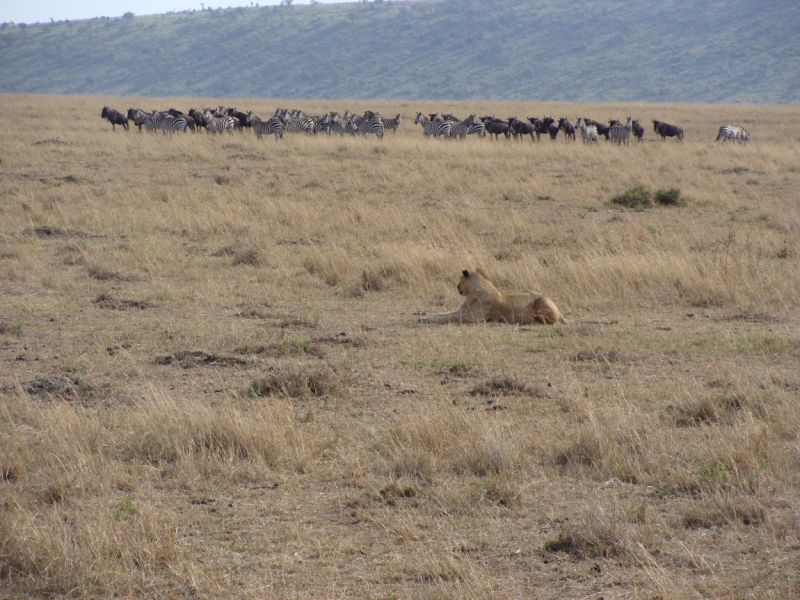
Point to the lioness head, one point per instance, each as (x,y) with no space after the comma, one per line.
(469,281)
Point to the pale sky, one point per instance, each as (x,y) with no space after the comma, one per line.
(30,11)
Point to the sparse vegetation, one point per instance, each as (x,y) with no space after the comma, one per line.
(229,395)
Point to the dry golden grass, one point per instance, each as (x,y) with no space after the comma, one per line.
(214,383)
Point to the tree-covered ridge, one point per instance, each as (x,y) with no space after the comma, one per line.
(604,50)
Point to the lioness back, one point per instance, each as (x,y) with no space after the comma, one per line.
(484,302)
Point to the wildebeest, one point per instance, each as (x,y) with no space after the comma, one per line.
(666,130)
(520,128)
(638,130)
(199,119)
(538,126)
(569,128)
(551,127)
(115,118)
(495,127)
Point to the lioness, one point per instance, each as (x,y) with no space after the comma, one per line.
(484,302)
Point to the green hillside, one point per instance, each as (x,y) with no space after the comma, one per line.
(593,50)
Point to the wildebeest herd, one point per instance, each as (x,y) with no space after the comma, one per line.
(284,120)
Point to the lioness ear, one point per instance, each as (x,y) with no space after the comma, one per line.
(465,272)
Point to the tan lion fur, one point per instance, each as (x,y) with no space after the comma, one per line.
(484,302)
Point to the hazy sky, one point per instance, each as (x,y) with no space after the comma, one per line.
(30,11)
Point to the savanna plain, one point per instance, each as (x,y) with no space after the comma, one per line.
(214,382)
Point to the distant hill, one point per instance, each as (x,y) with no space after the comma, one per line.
(570,50)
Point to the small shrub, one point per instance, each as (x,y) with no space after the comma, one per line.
(247,256)
(636,197)
(668,197)
(10,328)
(296,383)
(639,197)
(371,281)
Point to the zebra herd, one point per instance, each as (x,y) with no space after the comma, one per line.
(228,119)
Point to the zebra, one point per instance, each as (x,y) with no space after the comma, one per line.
(461,128)
(296,120)
(619,133)
(272,126)
(373,125)
(138,117)
(215,124)
(322,124)
(588,132)
(166,122)
(434,128)
(734,134)
(392,124)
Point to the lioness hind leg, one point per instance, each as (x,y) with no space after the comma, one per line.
(546,312)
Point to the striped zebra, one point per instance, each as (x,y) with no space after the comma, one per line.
(297,121)
(734,134)
(462,128)
(322,124)
(215,124)
(434,128)
(272,126)
(139,118)
(373,125)
(588,132)
(338,124)
(619,133)
(392,124)
(166,122)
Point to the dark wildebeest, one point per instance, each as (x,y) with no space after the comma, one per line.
(115,118)
(521,128)
(638,130)
(199,119)
(666,130)
(538,126)
(551,127)
(569,128)
(435,118)
(495,128)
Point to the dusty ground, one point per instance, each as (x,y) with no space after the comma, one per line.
(214,383)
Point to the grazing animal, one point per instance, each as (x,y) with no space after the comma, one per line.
(138,117)
(602,128)
(666,130)
(495,127)
(553,130)
(434,128)
(538,127)
(115,118)
(372,125)
(619,133)
(521,128)
(484,302)
(273,126)
(735,134)
(567,127)
(215,124)
(199,119)
(588,132)
(461,128)
(638,130)
(392,124)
